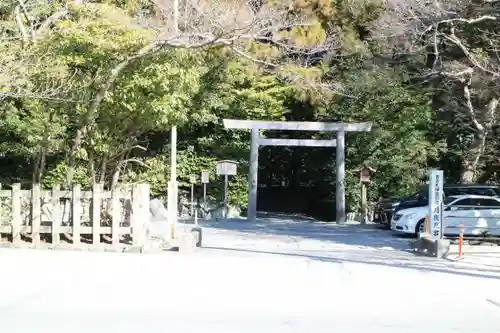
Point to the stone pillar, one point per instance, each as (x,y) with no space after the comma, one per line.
(340,174)
(252,175)
(140,216)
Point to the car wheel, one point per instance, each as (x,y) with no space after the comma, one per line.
(420,228)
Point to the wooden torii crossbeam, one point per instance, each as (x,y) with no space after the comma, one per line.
(256,141)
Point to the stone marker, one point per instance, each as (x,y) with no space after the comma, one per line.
(433,248)
(157,210)
(158,232)
(158,228)
(198,235)
(187,242)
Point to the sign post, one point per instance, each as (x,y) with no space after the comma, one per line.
(365,173)
(205,175)
(192,180)
(226,168)
(172,184)
(436,204)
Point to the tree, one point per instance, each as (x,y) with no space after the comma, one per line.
(91,90)
(22,24)
(460,60)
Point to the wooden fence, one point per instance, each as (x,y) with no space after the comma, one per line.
(56,216)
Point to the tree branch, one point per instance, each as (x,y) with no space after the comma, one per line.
(452,37)
(21,27)
(48,22)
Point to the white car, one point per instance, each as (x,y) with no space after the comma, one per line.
(479,214)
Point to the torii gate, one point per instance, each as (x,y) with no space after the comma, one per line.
(256,141)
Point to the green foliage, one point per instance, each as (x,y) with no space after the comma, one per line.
(153,171)
(57,176)
(399,145)
(331,70)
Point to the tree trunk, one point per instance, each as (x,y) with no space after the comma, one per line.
(36,169)
(467,176)
(103,168)
(116,172)
(93,175)
(482,121)
(472,156)
(93,108)
(42,153)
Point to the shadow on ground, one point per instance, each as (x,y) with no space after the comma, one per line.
(369,235)
(358,244)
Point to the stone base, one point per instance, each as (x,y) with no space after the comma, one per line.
(433,248)
(187,242)
(198,235)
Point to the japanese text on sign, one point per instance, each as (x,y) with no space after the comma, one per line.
(435,203)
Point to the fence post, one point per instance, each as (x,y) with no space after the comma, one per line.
(115,216)
(140,214)
(76,211)
(1,212)
(96,214)
(56,215)
(16,214)
(36,213)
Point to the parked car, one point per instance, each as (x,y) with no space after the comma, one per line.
(385,208)
(480,214)
(419,199)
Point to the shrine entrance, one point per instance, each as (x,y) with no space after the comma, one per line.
(256,141)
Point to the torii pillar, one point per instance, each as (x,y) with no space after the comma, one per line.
(256,140)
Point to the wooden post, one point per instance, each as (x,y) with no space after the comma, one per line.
(96,214)
(460,240)
(36,213)
(16,214)
(56,215)
(135,218)
(340,174)
(427,228)
(1,213)
(363,203)
(115,216)
(76,211)
(171,210)
(145,199)
(140,213)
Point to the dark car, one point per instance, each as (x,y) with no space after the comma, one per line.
(387,207)
(420,198)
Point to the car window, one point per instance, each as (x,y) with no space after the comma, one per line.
(414,198)
(463,202)
(488,191)
(448,200)
(488,203)
(452,191)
